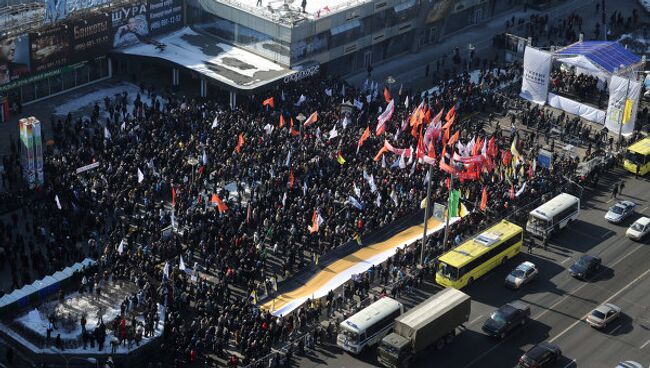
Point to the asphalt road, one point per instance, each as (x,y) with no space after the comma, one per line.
(558,302)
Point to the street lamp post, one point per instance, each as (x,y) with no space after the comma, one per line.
(451,188)
(427,211)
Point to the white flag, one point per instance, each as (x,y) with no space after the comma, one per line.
(393,196)
(378,200)
(120,248)
(304,188)
(410,155)
(406,102)
(284,199)
(204,157)
(173,219)
(402,161)
(328,91)
(358,104)
(123,126)
(371,183)
(383,161)
(346,122)
(140,176)
(282,95)
(333,133)
(56,199)
(287,162)
(343,90)
(166,269)
(268,128)
(521,190)
(107,134)
(353,201)
(301,100)
(181,265)
(357,191)
(215,122)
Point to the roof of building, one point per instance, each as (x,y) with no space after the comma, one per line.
(209,56)
(608,55)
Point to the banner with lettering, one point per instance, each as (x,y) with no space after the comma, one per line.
(537,72)
(165,16)
(90,36)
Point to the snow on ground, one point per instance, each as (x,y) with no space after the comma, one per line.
(206,55)
(85,102)
(313,9)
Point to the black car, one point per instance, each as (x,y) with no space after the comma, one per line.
(541,355)
(506,318)
(585,267)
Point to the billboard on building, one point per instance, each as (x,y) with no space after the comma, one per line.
(14,58)
(130,25)
(49,48)
(90,36)
(165,16)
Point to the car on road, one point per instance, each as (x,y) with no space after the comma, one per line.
(506,318)
(620,211)
(585,267)
(639,229)
(541,355)
(629,364)
(523,274)
(603,315)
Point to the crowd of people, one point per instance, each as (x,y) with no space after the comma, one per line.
(294,177)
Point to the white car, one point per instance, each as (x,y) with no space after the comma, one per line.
(620,211)
(639,229)
(523,274)
(603,314)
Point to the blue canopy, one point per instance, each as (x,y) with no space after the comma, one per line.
(608,55)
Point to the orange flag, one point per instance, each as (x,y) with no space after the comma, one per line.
(282,122)
(311,119)
(364,136)
(380,153)
(291,179)
(173,197)
(451,113)
(314,223)
(269,102)
(483,204)
(454,138)
(387,96)
(293,131)
(220,205)
(240,143)
(449,123)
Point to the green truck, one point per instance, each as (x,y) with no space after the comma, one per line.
(434,322)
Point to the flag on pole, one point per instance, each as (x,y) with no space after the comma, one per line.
(513,149)
(204,158)
(58,203)
(107,134)
(406,102)
(340,158)
(384,117)
(269,102)
(333,133)
(512,191)
(378,200)
(120,248)
(353,201)
(215,122)
(484,199)
(173,220)
(357,238)
(454,200)
(356,189)
(451,114)
(181,264)
(240,143)
(220,205)
(140,176)
(173,197)
(316,221)
(291,179)
(282,122)
(383,162)
(364,137)
(287,162)
(311,119)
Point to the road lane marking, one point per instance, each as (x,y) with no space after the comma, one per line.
(571,362)
(607,234)
(611,199)
(615,328)
(645,344)
(643,210)
(479,357)
(606,301)
(476,319)
(567,258)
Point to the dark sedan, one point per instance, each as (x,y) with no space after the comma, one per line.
(585,267)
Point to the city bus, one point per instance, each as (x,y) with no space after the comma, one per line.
(474,258)
(636,157)
(367,327)
(553,215)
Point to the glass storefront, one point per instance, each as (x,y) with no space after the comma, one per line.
(46,84)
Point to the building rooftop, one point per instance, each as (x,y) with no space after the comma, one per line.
(290,11)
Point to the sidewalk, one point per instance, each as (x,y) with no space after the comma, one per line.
(410,69)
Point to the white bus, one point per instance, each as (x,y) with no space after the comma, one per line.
(553,215)
(368,326)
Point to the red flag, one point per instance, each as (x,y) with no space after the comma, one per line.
(311,119)
(492,147)
(445,138)
(506,158)
(431,152)
(291,130)
(240,143)
(530,171)
(436,119)
(220,205)
(449,123)
(269,102)
(387,96)
(420,150)
(364,137)
(282,122)
(483,204)
(451,113)
(427,115)
(314,223)
(512,191)
(477,147)
(173,197)
(414,131)
(291,179)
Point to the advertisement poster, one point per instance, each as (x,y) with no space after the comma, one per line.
(164,16)
(90,36)
(14,58)
(129,25)
(50,48)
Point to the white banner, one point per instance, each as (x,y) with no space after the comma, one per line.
(622,90)
(576,108)
(537,72)
(87,167)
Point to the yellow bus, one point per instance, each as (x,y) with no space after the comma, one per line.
(474,258)
(637,157)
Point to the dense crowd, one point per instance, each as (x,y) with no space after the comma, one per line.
(288,175)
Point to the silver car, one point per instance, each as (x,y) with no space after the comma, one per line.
(629,364)
(620,211)
(604,314)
